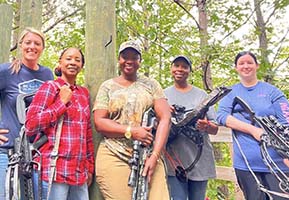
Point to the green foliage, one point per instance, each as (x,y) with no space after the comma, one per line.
(7,1)
(280,4)
(147,21)
(220,190)
(222,154)
(166,30)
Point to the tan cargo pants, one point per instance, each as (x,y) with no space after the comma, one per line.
(112,175)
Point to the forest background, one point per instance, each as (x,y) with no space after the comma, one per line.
(209,32)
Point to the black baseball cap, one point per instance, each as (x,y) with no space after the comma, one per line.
(187,60)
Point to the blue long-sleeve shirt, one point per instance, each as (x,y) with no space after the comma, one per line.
(264,99)
(11,85)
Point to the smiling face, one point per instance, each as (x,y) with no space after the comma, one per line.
(31,48)
(246,67)
(70,64)
(129,62)
(180,70)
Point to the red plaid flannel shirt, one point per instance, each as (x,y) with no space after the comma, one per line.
(76,151)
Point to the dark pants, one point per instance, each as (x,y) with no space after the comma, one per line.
(191,190)
(250,188)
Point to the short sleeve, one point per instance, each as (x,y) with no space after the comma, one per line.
(158,92)
(102,97)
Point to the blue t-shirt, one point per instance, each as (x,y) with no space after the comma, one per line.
(264,99)
(26,81)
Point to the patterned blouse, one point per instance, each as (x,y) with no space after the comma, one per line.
(126,105)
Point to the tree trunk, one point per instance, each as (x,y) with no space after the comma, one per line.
(263,42)
(5,31)
(100,45)
(31,14)
(203,29)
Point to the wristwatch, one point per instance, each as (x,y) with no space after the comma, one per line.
(127,133)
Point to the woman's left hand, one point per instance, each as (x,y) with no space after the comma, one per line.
(286,161)
(150,166)
(204,125)
(89,179)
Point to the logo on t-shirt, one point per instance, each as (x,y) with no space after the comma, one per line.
(29,86)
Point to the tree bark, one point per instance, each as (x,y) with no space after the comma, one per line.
(263,42)
(100,48)
(5,31)
(203,29)
(31,14)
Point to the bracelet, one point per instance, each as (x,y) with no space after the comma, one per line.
(156,154)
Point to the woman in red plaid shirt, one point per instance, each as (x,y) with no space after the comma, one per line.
(62,97)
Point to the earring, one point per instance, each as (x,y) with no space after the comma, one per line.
(57,71)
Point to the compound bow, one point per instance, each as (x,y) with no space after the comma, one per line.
(275,135)
(184,121)
(19,176)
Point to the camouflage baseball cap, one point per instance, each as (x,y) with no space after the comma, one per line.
(129,44)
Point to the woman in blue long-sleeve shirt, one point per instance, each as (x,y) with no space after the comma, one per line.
(264,99)
(23,76)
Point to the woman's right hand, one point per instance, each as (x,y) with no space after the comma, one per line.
(172,109)
(142,134)
(3,139)
(65,94)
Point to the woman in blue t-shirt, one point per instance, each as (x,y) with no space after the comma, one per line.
(264,99)
(22,76)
